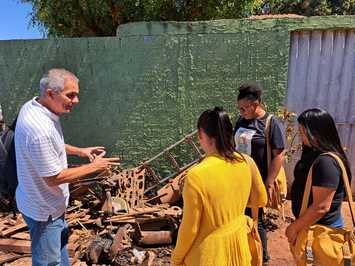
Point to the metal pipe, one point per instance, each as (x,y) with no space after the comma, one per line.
(170,176)
(156,237)
(170,147)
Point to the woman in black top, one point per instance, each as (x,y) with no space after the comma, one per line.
(249,136)
(319,135)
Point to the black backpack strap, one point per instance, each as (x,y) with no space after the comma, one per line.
(7,139)
(8,135)
(13,125)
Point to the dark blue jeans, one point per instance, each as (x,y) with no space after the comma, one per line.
(261,230)
(338,223)
(49,241)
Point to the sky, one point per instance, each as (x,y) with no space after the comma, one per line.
(14,21)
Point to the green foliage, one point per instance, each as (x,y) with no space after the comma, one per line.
(79,18)
(85,18)
(312,7)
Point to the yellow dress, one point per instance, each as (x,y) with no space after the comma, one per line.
(214,228)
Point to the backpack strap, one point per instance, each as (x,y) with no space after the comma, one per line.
(254,209)
(267,139)
(3,150)
(345,177)
(13,125)
(7,138)
(9,134)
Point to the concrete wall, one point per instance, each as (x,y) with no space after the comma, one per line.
(145,89)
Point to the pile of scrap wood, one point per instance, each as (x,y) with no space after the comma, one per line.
(111,217)
(121,217)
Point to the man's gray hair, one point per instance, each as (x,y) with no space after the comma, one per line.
(55,79)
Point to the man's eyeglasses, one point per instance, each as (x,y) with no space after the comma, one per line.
(243,109)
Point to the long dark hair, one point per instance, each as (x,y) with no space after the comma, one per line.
(322,133)
(217,125)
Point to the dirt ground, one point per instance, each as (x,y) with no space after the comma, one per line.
(277,242)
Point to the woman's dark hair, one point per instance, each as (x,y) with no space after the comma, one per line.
(250,91)
(322,133)
(217,125)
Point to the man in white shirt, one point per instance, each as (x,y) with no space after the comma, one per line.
(41,154)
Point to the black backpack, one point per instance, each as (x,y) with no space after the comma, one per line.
(8,172)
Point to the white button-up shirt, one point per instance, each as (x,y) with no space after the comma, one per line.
(40,152)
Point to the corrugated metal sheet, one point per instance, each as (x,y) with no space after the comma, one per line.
(322,74)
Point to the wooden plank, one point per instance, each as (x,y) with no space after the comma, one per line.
(22,235)
(10,221)
(76,215)
(12,257)
(13,229)
(72,247)
(4,255)
(15,245)
(24,246)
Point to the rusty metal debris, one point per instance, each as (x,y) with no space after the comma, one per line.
(121,241)
(96,249)
(171,192)
(156,237)
(116,216)
(131,184)
(157,178)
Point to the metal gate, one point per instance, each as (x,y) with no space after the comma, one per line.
(322,74)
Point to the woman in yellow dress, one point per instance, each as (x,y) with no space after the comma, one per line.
(214,229)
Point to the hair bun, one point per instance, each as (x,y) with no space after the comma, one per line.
(218,109)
